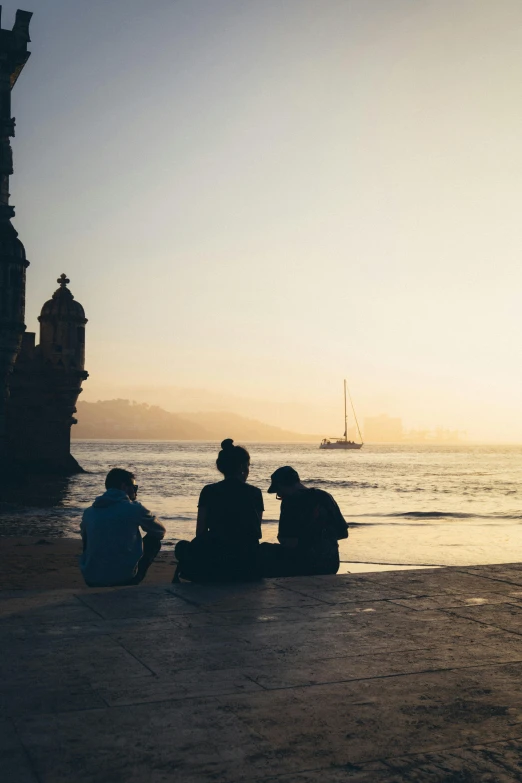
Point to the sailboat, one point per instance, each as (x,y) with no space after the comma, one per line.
(344,443)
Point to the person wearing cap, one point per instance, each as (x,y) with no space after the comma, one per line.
(310,526)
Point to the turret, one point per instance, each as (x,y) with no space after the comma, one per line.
(45,385)
(62,330)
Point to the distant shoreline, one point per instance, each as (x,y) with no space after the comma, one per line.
(315,441)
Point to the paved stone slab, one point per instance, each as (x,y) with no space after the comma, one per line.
(260,597)
(15,764)
(181,684)
(503,573)
(495,763)
(388,664)
(55,660)
(378,718)
(127,602)
(442,581)
(350,773)
(505,616)
(189,741)
(37,697)
(449,601)
(43,607)
(378,678)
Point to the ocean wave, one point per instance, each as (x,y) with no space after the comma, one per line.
(438,515)
(341,483)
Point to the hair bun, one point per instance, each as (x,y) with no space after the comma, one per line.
(228,443)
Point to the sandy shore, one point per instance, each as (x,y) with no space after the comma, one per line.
(52,563)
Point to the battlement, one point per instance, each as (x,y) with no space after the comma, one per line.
(13,45)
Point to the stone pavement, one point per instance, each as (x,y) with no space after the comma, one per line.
(375,678)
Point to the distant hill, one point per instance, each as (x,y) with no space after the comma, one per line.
(113,419)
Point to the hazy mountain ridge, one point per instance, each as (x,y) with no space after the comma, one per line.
(113,419)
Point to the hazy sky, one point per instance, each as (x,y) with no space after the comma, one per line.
(260,197)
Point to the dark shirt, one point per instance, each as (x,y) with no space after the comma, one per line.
(315,520)
(233,510)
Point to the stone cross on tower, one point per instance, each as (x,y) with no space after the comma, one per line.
(13,57)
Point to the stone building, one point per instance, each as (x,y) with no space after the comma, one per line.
(39,384)
(45,385)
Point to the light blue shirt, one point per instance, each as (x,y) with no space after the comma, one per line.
(112,541)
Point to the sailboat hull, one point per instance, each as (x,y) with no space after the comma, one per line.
(341,444)
(344,444)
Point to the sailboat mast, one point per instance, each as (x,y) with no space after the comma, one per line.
(354,414)
(345,414)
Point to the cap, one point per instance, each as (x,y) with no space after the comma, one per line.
(283,476)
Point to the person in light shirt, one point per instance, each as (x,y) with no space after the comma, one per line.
(114,552)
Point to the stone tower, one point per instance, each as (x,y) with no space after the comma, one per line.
(13,57)
(45,385)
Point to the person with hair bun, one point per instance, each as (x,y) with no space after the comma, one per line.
(228,525)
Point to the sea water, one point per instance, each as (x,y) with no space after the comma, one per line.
(406,505)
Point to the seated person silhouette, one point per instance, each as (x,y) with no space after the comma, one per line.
(228,525)
(114,552)
(310,525)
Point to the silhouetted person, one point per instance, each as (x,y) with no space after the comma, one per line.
(228,526)
(310,525)
(114,552)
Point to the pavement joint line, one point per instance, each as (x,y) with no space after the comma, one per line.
(488,624)
(389,759)
(496,579)
(301,686)
(321,600)
(386,677)
(256,683)
(362,599)
(25,749)
(348,767)
(183,598)
(305,595)
(80,599)
(154,674)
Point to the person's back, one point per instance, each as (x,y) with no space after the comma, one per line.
(233,511)
(114,551)
(310,526)
(228,525)
(313,519)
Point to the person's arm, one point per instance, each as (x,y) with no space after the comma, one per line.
(333,518)
(201,524)
(151,524)
(327,517)
(286,533)
(83,533)
(260,507)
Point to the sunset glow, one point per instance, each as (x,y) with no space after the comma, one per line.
(254,200)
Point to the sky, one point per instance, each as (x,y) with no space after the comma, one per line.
(254,199)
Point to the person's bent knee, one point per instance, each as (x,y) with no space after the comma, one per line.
(151,544)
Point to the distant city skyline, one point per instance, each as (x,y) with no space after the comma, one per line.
(261,198)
